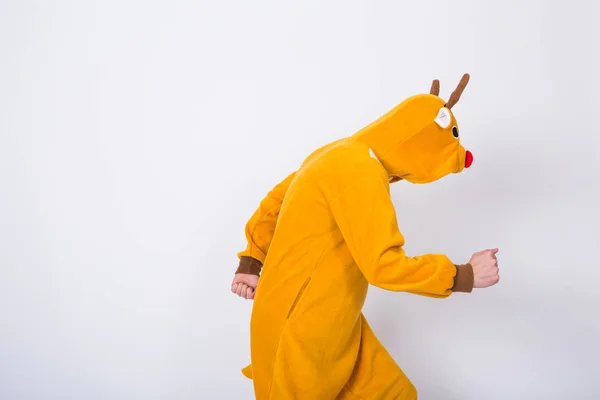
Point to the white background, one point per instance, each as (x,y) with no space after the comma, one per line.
(137,138)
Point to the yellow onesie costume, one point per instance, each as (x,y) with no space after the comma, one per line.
(328,231)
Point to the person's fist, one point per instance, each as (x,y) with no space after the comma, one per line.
(244,285)
(485,268)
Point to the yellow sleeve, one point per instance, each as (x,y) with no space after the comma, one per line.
(261,226)
(366,218)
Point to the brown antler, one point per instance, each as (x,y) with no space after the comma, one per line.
(455,96)
(435,88)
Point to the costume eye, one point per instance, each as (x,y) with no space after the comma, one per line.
(455,132)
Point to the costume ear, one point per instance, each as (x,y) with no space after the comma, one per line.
(443,118)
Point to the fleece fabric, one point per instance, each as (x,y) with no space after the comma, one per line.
(326,232)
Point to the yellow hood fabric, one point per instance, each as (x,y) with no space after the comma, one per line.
(328,231)
(411,145)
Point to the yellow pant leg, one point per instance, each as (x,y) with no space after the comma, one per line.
(376,375)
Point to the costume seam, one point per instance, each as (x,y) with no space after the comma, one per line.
(261,220)
(269,212)
(352,393)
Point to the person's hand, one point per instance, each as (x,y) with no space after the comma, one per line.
(244,285)
(485,268)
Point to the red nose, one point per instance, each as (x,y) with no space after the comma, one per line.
(468,159)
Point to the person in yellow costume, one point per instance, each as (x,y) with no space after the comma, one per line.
(327,231)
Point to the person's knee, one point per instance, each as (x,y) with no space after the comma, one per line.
(402,389)
(410,392)
(397,387)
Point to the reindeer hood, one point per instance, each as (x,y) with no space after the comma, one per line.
(418,140)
